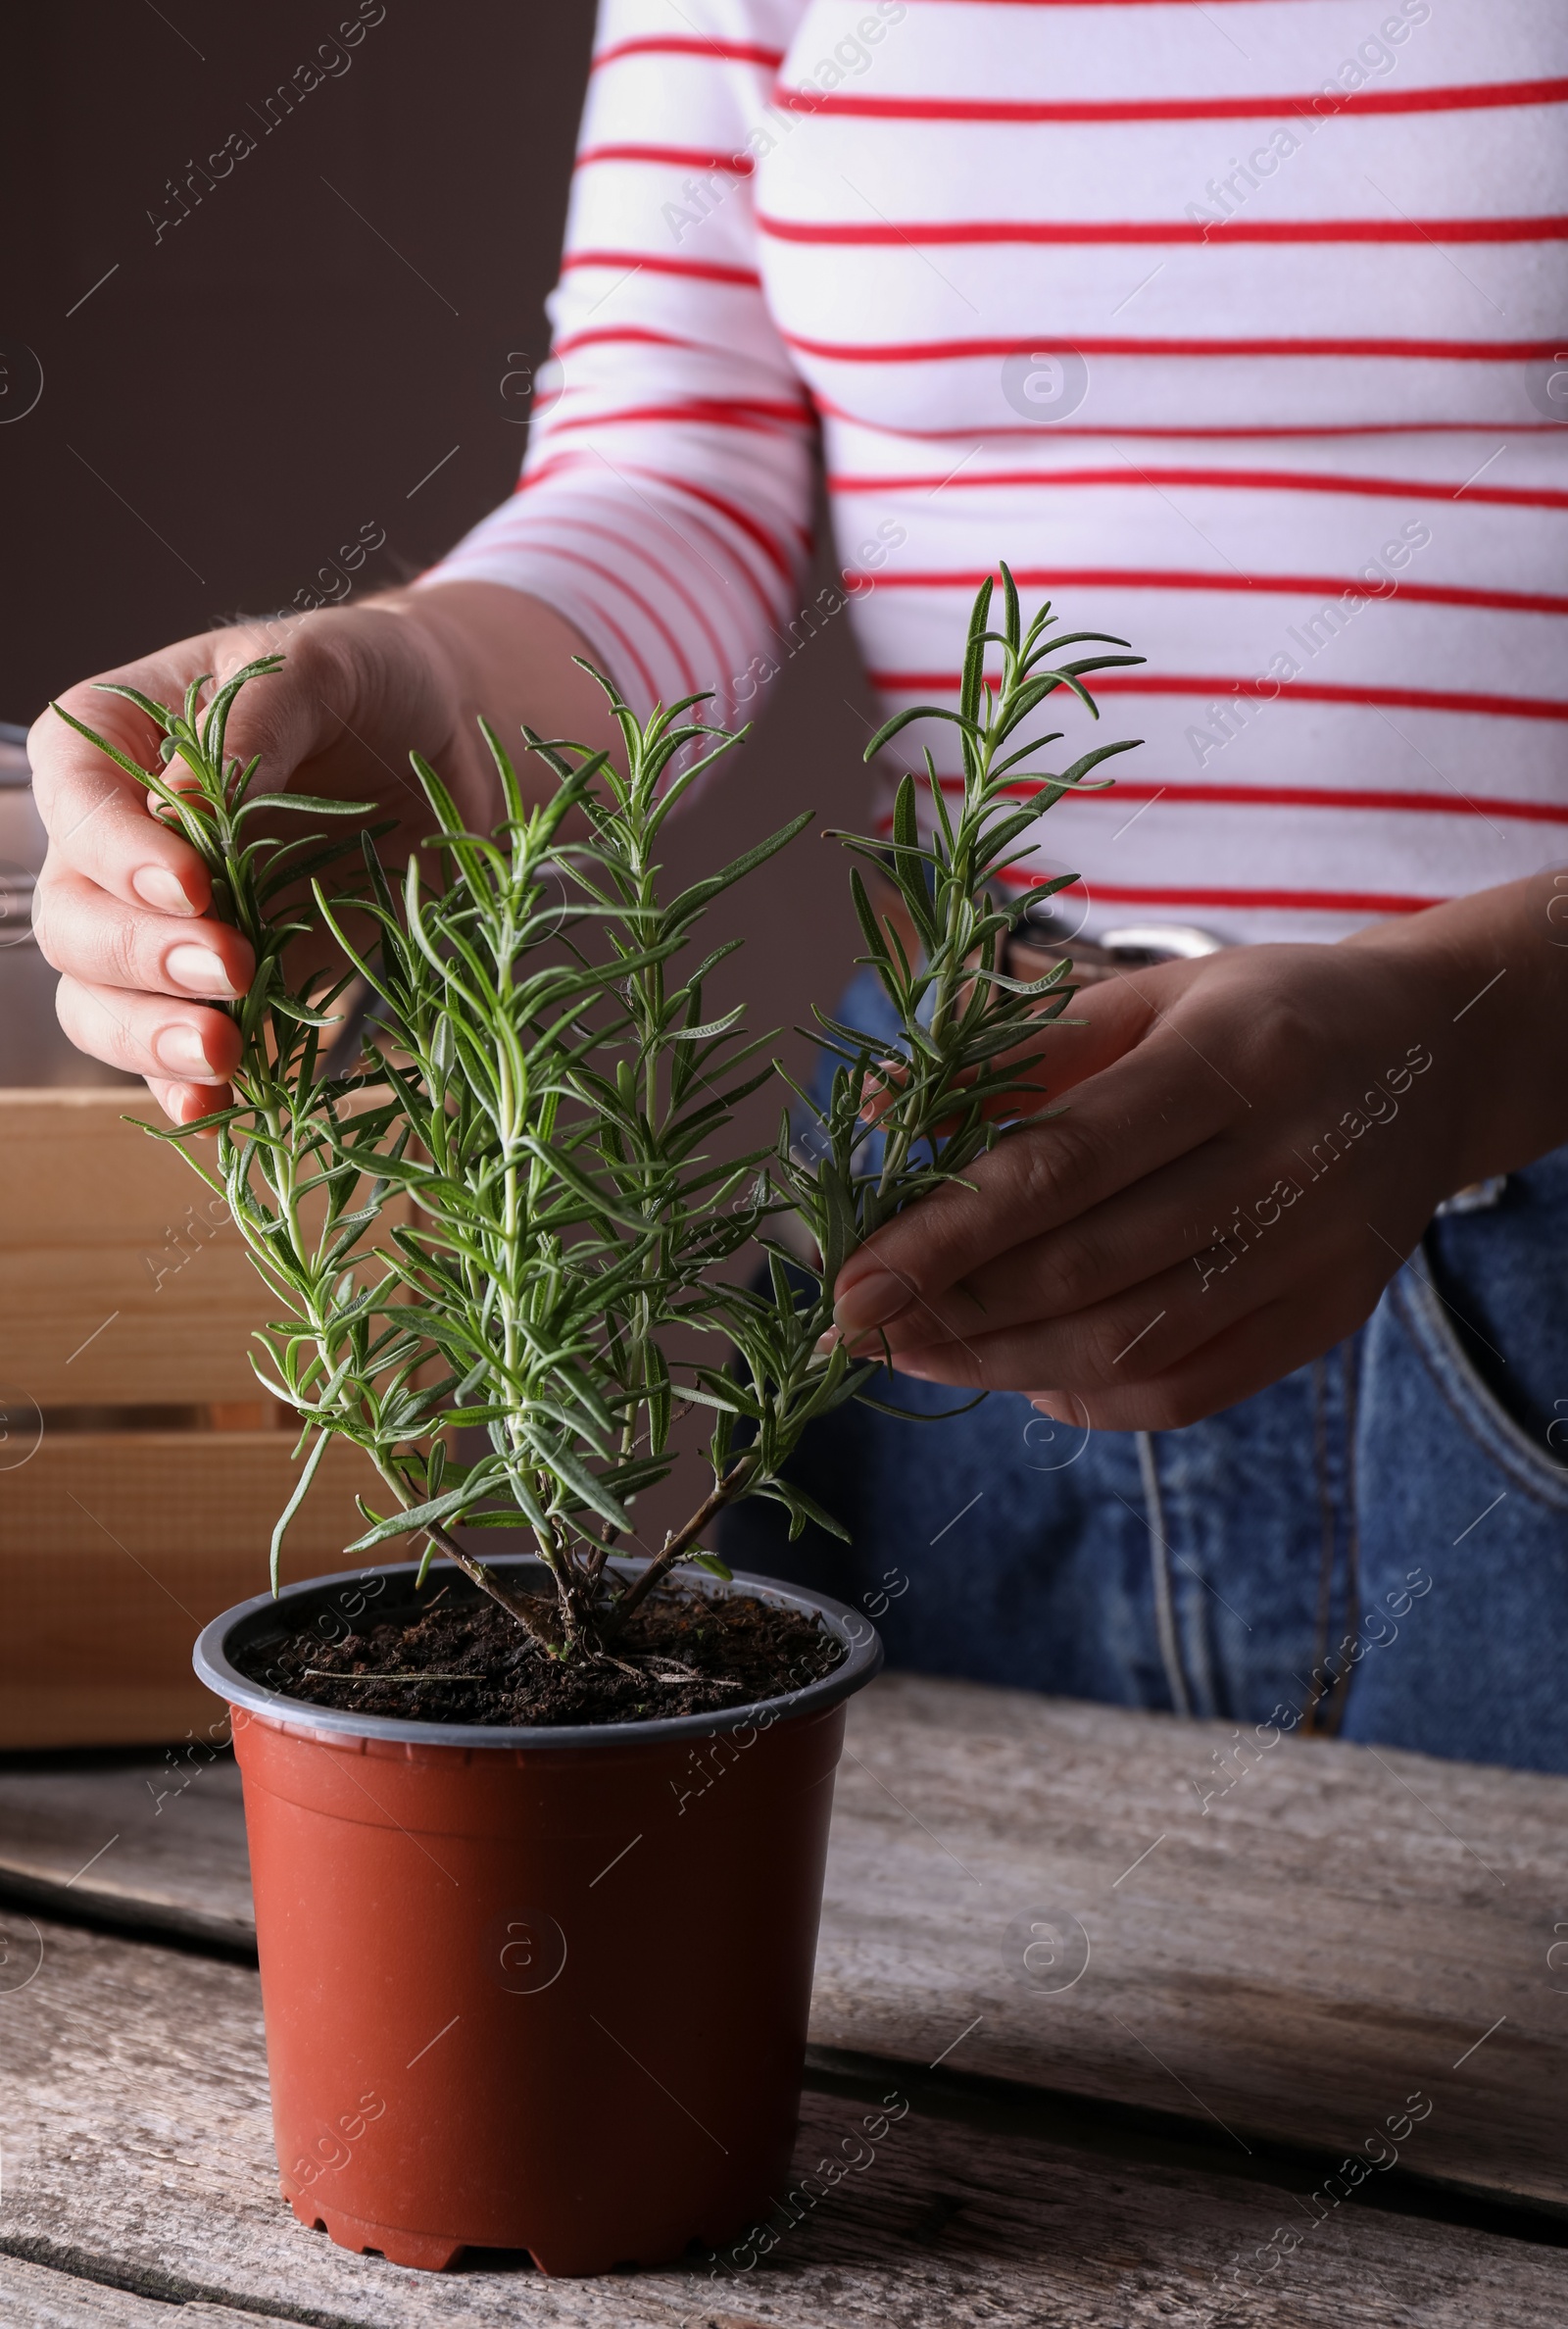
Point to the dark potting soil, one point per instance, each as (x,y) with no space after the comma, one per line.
(681,1653)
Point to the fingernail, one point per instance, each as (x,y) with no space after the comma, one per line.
(156,886)
(180,1049)
(872,1300)
(198,971)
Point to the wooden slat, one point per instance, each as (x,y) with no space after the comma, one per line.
(120,1281)
(1340,1930)
(158,1842)
(101,1332)
(73,1171)
(1288,1966)
(138,2149)
(121,1278)
(33,2298)
(116,1549)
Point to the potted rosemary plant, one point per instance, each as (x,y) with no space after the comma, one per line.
(538,1837)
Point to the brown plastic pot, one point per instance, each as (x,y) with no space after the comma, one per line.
(540,1989)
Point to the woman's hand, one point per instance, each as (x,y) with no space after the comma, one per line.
(1254,1143)
(122,909)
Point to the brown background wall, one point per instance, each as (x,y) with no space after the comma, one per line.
(291,360)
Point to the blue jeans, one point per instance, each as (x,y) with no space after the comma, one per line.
(1378,1544)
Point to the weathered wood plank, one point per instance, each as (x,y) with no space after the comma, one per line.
(122,1277)
(158,1842)
(1290,1964)
(1345,1926)
(139,2150)
(124,1284)
(108,1234)
(33,2298)
(116,1547)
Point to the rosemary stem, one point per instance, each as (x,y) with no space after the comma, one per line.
(724,1492)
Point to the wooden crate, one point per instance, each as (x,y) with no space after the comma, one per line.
(141,1467)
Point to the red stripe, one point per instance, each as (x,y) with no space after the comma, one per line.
(620,639)
(650,614)
(678,157)
(578,462)
(1286,230)
(728,52)
(1100,4)
(1290,901)
(638,334)
(1302,796)
(709,413)
(1409,698)
(1090,3)
(1319,105)
(1246,480)
(705,270)
(1433,594)
(625,546)
(743,518)
(698,521)
(950,351)
(1293,901)
(1351,429)
(1094,3)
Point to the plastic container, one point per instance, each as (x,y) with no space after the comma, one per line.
(540,1989)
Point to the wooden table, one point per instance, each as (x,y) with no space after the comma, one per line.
(1347,1955)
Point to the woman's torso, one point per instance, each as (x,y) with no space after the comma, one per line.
(1232,330)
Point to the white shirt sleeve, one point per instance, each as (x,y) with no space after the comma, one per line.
(664,503)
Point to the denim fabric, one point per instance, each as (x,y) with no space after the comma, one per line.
(1461,1467)
(1379,1541)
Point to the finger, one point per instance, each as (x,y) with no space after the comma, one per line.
(150,1035)
(1138,1333)
(1150,1328)
(1186,1214)
(184,1104)
(1124,1123)
(881,1086)
(1054,1054)
(1256,1351)
(1105,1021)
(83,930)
(96,815)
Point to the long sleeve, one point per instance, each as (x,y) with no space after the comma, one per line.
(664,503)
(1248,350)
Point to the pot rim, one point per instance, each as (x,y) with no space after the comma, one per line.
(213,1666)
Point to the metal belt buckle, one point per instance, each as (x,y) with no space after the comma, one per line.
(1141,942)
(1134,947)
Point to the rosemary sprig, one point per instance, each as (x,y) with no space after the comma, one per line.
(524,1190)
(302,1177)
(963,1047)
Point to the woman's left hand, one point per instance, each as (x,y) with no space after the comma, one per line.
(1254,1143)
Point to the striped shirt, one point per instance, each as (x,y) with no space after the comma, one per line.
(1239,330)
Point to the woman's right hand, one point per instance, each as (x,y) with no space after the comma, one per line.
(123,904)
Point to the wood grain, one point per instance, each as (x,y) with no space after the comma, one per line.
(108,1234)
(33,2298)
(1288,1965)
(1342,1928)
(123,1285)
(116,1547)
(139,2152)
(158,1844)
